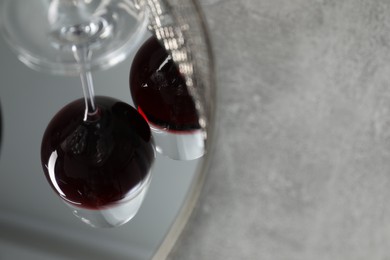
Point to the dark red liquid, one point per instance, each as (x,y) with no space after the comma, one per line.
(159,91)
(92,164)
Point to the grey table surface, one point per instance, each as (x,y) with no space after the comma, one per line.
(301,166)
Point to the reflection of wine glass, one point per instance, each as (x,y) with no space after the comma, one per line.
(160,94)
(183,58)
(97,153)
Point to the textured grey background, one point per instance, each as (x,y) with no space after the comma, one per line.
(301,168)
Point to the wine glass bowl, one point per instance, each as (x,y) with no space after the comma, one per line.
(160,94)
(42,33)
(100,167)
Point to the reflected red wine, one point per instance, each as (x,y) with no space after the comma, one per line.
(159,91)
(93,164)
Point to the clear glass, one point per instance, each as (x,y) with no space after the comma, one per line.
(42,32)
(180,29)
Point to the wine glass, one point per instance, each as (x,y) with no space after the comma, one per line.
(99,164)
(97,152)
(43,32)
(160,94)
(172,80)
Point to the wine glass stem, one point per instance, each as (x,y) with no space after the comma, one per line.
(82,56)
(89,94)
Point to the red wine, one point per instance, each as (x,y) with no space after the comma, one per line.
(95,163)
(159,91)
